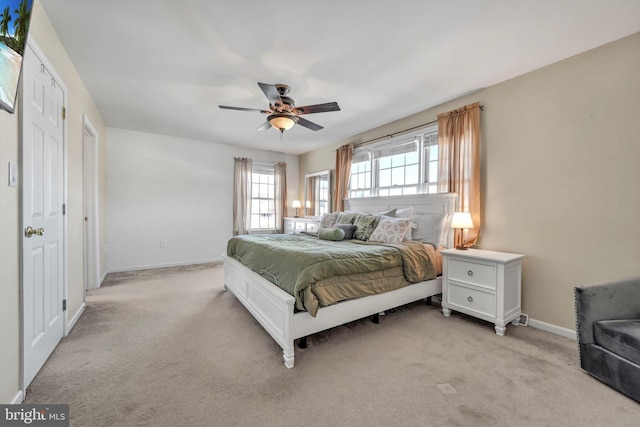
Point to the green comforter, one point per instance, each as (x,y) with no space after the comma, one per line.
(294,262)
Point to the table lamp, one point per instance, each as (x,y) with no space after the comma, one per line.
(296,204)
(462,221)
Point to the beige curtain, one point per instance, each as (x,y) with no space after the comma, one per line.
(344,155)
(459,163)
(280,181)
(242,196)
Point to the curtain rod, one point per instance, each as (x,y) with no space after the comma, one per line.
(391,135)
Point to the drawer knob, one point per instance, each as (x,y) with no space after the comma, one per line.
(470,273)
(470,299)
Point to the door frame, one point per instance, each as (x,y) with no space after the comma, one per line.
(90,205)
(31,43)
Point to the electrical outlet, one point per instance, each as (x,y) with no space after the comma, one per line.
(163,244)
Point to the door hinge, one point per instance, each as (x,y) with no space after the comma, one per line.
(64,209)
(64,113)
(64,305)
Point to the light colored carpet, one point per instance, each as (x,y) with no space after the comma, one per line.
(170,348)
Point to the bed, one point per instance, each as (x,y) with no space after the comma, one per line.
(275,309)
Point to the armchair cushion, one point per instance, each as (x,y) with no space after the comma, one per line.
(621,337)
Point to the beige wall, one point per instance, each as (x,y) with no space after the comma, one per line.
(78,103)
(560,150)
(9,261)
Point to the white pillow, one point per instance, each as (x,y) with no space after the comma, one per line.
(390,230)
(406,213)
(429,228)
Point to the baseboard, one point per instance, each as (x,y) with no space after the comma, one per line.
(18,399)
(172,264)
(104,276)
(74,319)
(554,329)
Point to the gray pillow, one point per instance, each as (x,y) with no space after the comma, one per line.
(390,213)
(429,228)
(335,234)
(349,229)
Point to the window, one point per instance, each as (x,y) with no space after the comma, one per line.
(403,165)
(430,156)
(360,178)
(323,195)
(397,168)
(263,214)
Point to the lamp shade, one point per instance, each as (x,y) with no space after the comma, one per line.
(281,123)
(462,220)
(308,204)
(296,204)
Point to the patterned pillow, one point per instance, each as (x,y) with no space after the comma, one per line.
(349,229)
(328,220)
(346,218)
(391,230)
(365,225)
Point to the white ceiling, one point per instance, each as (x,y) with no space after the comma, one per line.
(164,66)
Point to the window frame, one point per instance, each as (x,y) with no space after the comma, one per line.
(263,169)
(424,138)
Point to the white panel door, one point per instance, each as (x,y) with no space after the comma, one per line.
(43,237)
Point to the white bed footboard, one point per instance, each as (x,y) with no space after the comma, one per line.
(273,308)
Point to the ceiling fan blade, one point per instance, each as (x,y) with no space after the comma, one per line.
(271,93)
(266,125)
(318,108)
(225,107)
(309,125)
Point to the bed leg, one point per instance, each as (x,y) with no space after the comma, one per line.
(302,342)
(288,356)
(427,301)
(376,318)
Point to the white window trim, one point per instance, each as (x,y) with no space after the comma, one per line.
(264,169)
(396,145)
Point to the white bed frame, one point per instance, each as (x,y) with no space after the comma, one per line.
(273,308)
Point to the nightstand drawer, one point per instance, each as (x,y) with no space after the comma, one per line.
(289,226)
(478,301)
(313,227)
(301,226)
(472,272)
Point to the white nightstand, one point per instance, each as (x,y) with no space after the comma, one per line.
(483,284)
(301,225)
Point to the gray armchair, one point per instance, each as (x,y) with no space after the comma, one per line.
(608,327)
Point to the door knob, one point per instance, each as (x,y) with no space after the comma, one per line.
(31,231)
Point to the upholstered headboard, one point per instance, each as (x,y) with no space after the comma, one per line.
(441,203)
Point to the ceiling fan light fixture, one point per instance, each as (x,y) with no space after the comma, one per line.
(281,122)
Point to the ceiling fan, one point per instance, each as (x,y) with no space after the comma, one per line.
(283,113)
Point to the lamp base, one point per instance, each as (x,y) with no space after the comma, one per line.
(462,248)
(296,216)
